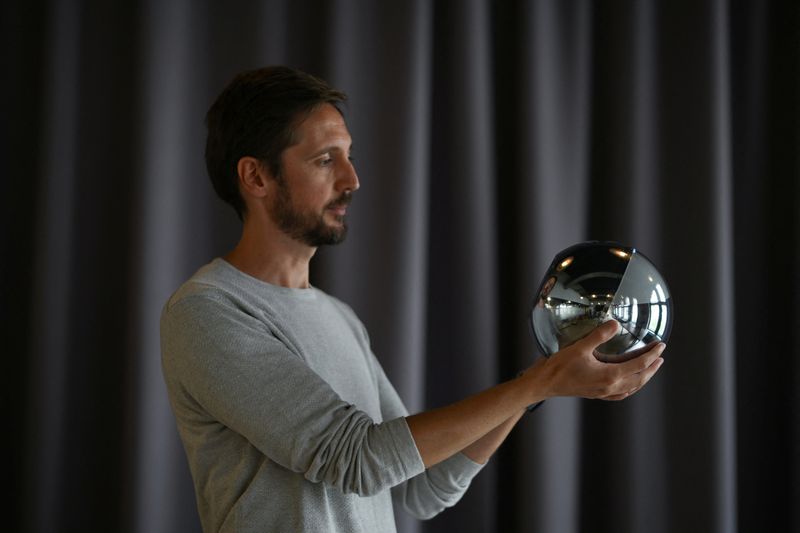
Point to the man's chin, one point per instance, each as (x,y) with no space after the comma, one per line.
(326,236)
(338,236)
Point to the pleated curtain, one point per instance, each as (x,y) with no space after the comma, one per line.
(488,136)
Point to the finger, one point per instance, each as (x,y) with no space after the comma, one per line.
(639,380)
(622,396)
(601,334)
(617,397)
(643,362)
(632,383)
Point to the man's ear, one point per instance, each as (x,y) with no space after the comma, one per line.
(253,177)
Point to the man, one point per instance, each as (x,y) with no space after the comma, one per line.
(287,418)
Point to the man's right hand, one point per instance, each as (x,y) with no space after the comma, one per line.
(575,371)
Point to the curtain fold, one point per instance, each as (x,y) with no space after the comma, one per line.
(47,390)
(488,136)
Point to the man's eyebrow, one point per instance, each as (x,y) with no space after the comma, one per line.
(331,148)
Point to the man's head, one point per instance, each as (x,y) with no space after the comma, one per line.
(257,116)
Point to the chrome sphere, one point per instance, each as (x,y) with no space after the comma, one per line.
(593,282)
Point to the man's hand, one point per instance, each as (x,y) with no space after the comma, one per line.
(575,371)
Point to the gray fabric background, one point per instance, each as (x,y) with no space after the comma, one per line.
(488,136)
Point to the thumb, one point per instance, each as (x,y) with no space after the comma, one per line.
(601,334)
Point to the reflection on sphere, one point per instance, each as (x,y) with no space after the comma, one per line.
(593,282)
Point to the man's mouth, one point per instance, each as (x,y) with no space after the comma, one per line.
(339,206)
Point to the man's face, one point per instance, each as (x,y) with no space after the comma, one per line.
(317,181)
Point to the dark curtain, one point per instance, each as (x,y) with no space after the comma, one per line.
(488,136)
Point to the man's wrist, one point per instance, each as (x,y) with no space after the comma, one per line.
(537,399)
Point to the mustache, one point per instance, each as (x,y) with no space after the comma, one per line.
(342,201)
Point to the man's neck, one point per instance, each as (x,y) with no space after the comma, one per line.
(270,255)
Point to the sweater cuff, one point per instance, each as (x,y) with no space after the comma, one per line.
(405,448)
(461,468)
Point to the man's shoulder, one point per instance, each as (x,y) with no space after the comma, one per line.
(208,302)
(207,283)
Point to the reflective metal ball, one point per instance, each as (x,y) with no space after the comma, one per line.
(596,281)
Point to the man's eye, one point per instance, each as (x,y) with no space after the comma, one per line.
(325,162)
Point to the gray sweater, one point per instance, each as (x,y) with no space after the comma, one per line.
(288,421)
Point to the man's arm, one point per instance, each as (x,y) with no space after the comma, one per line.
(478,424)
(482,449)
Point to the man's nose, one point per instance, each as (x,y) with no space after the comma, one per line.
(348,177)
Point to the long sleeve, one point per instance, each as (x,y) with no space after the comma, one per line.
(230,368)
(437,488)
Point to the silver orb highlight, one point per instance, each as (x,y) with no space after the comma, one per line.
(596,281)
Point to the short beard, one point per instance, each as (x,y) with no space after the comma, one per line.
(306,227)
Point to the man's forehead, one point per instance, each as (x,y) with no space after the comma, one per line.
(324,124)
